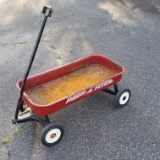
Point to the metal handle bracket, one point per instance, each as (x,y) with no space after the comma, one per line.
(47,10)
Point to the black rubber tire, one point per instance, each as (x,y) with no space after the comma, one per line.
(52,129)
(122,98)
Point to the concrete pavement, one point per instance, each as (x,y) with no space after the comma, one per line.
(124,30)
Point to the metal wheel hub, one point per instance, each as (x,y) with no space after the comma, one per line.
(53,135)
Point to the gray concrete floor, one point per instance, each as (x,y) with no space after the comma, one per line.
(124,30)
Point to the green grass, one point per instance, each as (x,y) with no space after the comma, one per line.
(8,139)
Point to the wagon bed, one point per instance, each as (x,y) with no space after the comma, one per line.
(113,75)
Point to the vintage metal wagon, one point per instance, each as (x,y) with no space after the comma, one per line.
(55,89)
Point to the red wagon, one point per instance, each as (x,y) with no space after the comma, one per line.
(30,87)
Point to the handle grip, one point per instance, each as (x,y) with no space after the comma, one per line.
(47,10)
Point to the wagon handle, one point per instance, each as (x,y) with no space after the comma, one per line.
(47,11)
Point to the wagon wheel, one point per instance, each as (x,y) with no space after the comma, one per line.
(51,134)
(122,98)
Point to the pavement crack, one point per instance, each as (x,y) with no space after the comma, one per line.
(5,150)
(115,28)
(14,44)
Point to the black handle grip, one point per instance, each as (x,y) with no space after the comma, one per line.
(47,10)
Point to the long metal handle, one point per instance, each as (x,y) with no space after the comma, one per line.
(47,11)
(33,55)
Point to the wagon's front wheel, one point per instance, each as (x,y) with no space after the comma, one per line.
(51,134)
(122,98)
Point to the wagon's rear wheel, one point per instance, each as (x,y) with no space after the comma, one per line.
(122,98)
(51,134)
